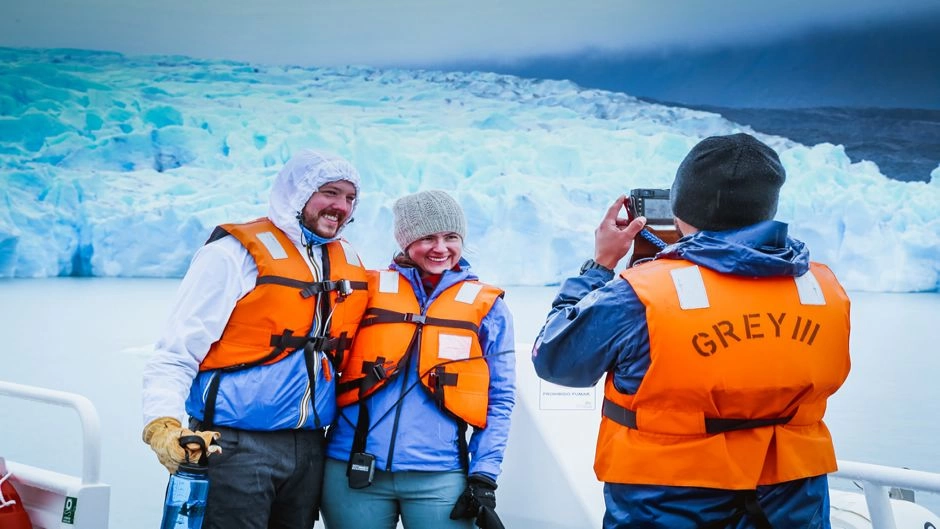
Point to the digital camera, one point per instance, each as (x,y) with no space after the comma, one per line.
(652,204)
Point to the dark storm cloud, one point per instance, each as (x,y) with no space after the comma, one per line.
(415,32)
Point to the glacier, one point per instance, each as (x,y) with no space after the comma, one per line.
(120,166)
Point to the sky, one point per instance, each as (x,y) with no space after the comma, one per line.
(413,33)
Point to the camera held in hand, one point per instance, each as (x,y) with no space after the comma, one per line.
(660,229)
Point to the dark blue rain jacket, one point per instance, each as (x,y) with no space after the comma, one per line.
(598,324)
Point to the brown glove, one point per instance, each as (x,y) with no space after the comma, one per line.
(163,435)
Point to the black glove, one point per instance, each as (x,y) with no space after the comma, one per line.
(478,501)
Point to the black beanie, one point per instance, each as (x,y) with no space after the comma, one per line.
(727,182)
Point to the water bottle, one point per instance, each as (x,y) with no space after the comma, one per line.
(185,505)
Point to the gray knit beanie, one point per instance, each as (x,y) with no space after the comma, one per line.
(425,213)
(727,182)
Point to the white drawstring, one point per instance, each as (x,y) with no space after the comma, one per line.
(4,503)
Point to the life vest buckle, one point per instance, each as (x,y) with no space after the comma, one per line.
(420,319)
(344,288)
(378,370)
(319,343)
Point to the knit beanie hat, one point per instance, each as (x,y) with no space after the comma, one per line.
(727,182)
(424,213)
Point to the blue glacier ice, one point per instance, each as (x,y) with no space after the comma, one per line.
(114,165)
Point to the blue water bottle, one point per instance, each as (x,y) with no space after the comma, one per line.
(185,505)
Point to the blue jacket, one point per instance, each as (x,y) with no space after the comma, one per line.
(598,325)
(410,432)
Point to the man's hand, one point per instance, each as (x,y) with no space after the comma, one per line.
(615,234)
(163,435)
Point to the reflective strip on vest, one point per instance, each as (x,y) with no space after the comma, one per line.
(274,247)
(692,295)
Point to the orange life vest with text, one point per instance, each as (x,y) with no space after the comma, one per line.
(740,371)
(450,359)
(276,317)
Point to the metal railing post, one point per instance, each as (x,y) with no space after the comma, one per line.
(91,426)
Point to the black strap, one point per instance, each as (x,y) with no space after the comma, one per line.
(627,417)
(437,379)
(286,340)
(208,416)
(746,505)
(754,510)
(361,434)
(373,373)
(334,346)
(716,425)
(344,286)
(310,361)
(462,447)
(312,288)
(374,315)
(217,234)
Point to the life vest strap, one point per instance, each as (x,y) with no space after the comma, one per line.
(343,287)
(374,315)
(212,393)
(439,377)
(747,505)
(286,340)
(713,425)
(463,449)
(217,234)
(374,372)
(309,289)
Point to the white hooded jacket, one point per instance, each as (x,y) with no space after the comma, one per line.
(269,397)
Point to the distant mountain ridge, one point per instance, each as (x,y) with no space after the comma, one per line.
(905,143)
(882,64)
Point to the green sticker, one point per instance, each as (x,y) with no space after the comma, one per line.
(68,513)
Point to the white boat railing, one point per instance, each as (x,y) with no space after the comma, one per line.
(877,482)
(61,501)
(53,499)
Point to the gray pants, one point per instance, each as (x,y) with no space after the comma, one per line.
(422,499)
(265,480)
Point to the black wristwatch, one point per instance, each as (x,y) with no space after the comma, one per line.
(591,264)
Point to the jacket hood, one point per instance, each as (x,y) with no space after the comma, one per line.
(301,176)
(760,250)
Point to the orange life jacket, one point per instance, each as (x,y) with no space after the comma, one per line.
(276,317)
(740,370)
(450,359)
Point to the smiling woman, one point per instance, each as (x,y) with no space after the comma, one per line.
(433,353)
(430,228)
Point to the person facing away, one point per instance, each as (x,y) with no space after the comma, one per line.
(719,354)
(263,320)
(434,354)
